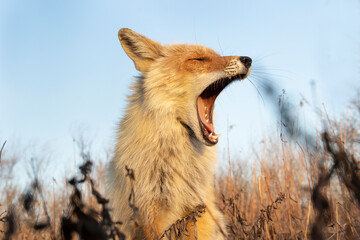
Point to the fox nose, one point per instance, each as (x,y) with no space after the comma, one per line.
(246,61)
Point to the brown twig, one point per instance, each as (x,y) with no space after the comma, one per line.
(2,150)
(180,227)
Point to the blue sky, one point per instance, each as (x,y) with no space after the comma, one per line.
(62,67)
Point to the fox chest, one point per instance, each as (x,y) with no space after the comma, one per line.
(177,187)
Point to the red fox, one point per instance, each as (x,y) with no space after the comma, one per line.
(167,137)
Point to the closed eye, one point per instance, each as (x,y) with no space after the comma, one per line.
(199,59)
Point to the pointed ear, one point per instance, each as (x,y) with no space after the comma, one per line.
(139,48)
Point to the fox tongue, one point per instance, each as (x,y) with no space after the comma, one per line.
(205,106)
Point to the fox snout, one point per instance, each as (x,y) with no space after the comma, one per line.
(238,67)
(246,61)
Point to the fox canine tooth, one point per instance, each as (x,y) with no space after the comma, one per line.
(210,135)
(215,137)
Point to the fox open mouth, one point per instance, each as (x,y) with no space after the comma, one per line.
(205,106)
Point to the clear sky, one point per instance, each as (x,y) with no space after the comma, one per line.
(62,67)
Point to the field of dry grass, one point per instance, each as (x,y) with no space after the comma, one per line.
(295,187)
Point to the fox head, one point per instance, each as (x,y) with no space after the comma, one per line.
(182,81)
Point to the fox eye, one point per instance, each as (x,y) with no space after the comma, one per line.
(201,59)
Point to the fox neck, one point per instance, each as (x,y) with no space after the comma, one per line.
(155,130)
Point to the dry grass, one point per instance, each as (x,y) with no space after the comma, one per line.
(291,189)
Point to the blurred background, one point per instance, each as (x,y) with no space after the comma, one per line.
(64,77)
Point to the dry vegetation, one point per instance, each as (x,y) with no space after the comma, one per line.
(298,186)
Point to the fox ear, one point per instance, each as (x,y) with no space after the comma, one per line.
(139,48)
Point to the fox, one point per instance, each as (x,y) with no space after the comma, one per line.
(167,137)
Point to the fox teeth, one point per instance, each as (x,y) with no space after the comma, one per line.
(214,137)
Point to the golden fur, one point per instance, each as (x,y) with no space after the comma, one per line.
(160,138)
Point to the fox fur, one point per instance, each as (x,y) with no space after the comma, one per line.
(161,139)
